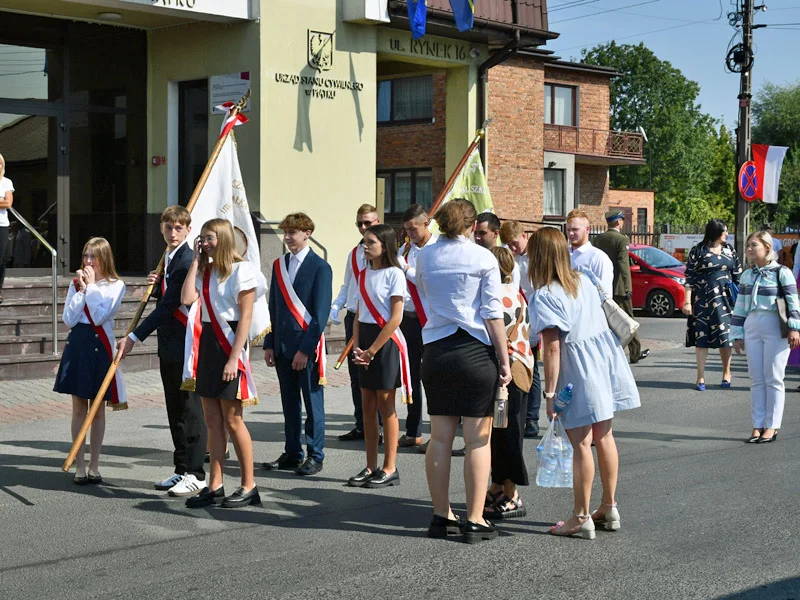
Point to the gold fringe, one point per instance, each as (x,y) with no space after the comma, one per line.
(407,399)
(116,407)
(189,385)
(323,381)
(259,339)
(248,402)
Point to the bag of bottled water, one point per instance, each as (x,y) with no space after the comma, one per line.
(554,458)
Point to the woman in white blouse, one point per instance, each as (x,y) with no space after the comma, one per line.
(464,360)
(6,201)
(93,299)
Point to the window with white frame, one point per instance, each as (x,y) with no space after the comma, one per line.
(554,193)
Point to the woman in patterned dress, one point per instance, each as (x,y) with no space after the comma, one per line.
(711,268)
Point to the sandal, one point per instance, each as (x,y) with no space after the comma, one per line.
(585,530)
(505,508)
(608,521)
(492,497)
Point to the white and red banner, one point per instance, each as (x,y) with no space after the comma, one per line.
(769,162)
(300,314)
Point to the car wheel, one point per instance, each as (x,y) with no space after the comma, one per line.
(660,304)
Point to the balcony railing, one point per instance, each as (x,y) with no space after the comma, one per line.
(594,142)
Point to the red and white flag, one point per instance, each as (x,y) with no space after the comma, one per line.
(768,161)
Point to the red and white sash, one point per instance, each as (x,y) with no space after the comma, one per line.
(105,334)
(181,313)
(300,314)
(225,337)
(354,262)
(417,302)
(397,337)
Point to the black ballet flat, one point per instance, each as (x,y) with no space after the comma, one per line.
(474,532)
(764,440)
(441,527)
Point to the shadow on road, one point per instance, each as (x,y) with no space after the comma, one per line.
(786,589)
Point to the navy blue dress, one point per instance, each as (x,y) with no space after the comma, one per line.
(709,275)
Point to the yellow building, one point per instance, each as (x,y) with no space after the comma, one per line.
(106,107)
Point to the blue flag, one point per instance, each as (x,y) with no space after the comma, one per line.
(463,11)
(417,16)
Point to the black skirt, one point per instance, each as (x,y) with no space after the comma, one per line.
(460,375)
(210,364)
(383,372)
(84,364)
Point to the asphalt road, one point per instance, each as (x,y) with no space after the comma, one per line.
(704,515)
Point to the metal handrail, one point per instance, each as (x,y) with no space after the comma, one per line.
(54,256)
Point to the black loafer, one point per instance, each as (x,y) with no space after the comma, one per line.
(94,479)
(352,436)
(645,353)
(441,527)
(361,478)
(381,479)
(240,499)
(309,467)
(531,429)
(205,498)
(284,463)
(474,532)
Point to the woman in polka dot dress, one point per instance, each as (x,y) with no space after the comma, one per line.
(508,463)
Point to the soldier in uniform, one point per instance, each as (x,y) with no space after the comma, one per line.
(615,243)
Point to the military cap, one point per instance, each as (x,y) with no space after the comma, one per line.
(614,214)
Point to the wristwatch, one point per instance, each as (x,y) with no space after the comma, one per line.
(549,395)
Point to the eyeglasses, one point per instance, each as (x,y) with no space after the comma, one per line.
(360,224)
(209,239)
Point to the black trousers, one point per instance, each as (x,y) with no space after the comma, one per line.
(186,422)
(412,330)
(352,369)
(508,461)
(3,244)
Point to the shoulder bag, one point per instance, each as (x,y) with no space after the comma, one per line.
(780,303)
(620,322)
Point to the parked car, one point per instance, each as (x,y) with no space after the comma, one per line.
(657,279)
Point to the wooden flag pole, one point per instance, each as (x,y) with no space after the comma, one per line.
(439,199)
(112,370)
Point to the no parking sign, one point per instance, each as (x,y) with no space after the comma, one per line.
(748,181)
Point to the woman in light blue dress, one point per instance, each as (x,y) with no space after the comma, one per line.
(580,349)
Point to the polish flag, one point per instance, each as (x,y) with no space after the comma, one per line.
(769,161)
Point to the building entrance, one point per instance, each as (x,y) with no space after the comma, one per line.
(73,133)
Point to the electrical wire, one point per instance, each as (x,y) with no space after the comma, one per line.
(602,12)
(568,5)
(641,34)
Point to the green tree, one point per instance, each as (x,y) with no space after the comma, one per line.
(687,157)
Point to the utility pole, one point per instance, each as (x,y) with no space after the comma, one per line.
(745,59)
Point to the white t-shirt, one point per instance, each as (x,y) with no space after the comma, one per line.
(382,285)
(243,277)
(5,186)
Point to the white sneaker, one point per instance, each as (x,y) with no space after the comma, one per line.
(163,486)
(189,485)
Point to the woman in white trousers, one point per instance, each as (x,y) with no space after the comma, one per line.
(756,329)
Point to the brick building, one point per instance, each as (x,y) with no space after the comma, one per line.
(548,149)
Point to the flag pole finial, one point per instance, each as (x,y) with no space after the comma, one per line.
(242,103)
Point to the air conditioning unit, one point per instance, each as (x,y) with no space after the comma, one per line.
(365,12)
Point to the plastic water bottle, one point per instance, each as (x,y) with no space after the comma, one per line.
(563,399)
(565,465)
(546,475)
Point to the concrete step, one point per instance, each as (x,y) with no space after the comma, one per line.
(42,325)
(38,307)
(42,343)
(38,288)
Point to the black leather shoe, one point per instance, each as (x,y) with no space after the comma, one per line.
(459,452)
(531,429)
(474,533)
(645,354)
(309,467)
(441,527)
(240,499)
(284,462)
(381,479)
(360,479)
(205,498)
(352,436)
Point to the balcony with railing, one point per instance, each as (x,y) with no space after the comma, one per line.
(595,146)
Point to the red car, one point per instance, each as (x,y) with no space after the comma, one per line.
(657,279)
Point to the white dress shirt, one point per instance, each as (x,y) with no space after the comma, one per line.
(243,277)
(461,282)
(103,299)
(382,285)
(295,262)
(411,271)
(348,293)
(519,276)
(596,261)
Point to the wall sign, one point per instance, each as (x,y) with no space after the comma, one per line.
(228,88)
(235,9)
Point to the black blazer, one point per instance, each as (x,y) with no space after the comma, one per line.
(171,332)
(313,285)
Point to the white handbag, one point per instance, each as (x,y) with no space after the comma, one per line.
(620,322)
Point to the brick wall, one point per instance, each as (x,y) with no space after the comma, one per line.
(592,186)
(418,145)
(634,199)
(515,154)
(593,95)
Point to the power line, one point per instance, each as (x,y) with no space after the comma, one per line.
(602,12)
(641,34)
(568,5)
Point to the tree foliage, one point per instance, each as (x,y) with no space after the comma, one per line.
(691,163)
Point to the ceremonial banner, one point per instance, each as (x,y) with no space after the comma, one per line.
(470,183)
(769,162)
(224,197)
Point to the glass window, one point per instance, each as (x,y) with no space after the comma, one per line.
(406,187)
(25,72)
(559,105)
(402,192)
(641,219)
(405,99)
(553,193)
(424,189)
